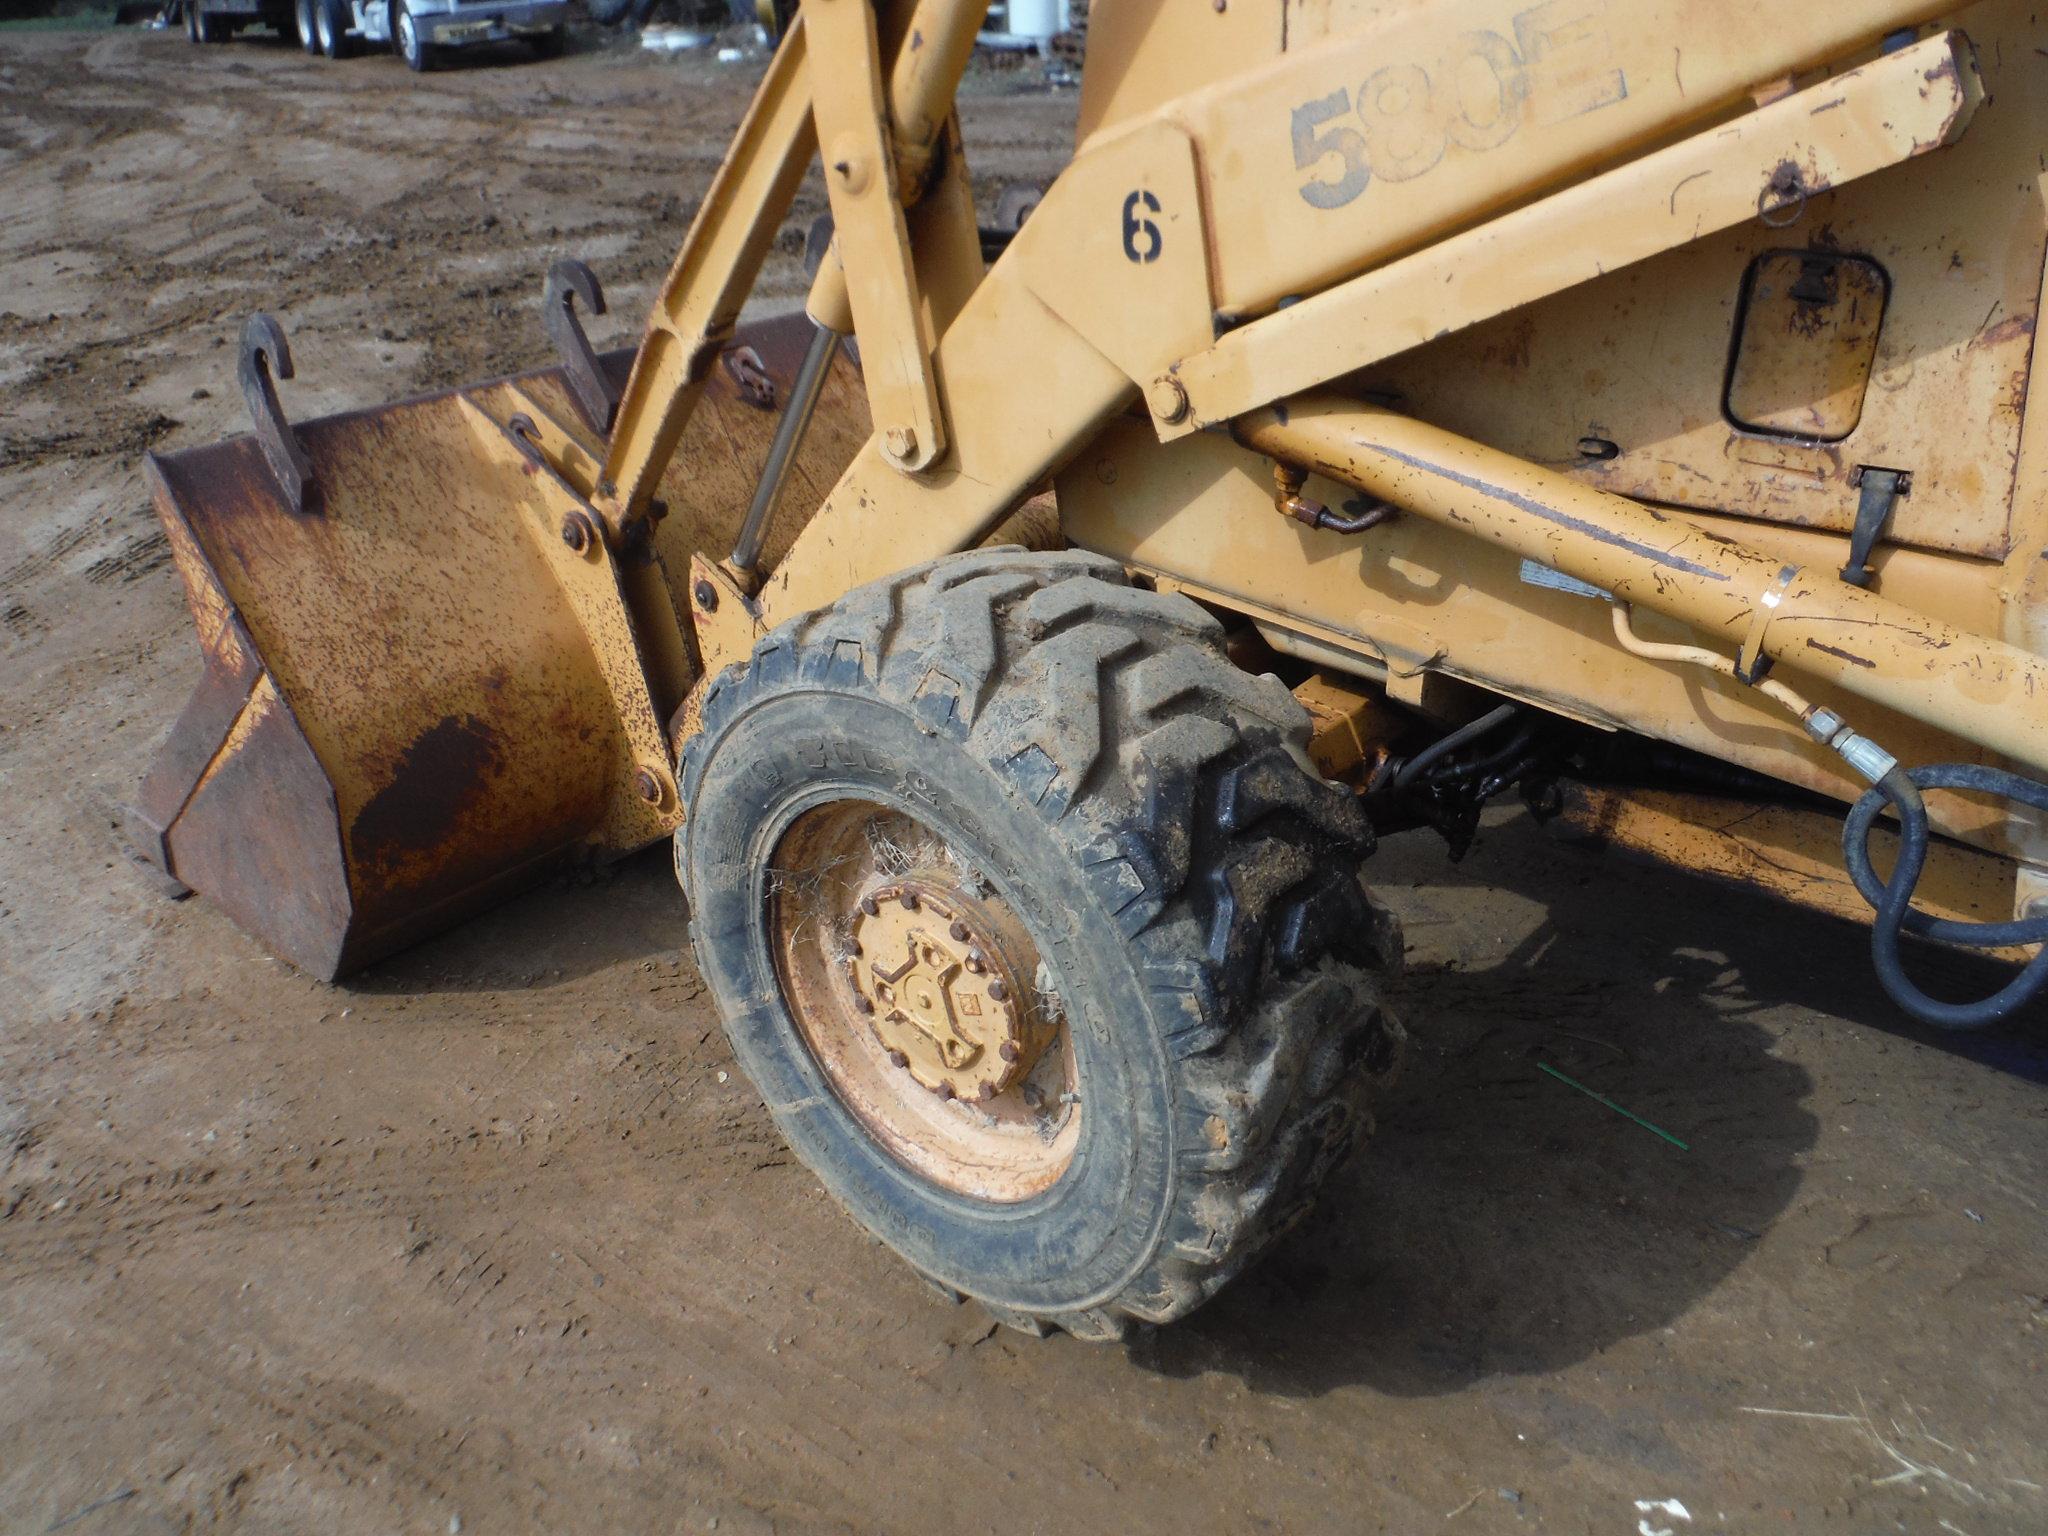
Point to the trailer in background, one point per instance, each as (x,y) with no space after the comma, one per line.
(418,30)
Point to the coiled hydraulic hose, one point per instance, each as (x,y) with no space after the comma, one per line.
(1900,789)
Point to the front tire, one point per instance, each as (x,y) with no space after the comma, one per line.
(410,39)
(331,22)
(1065,779)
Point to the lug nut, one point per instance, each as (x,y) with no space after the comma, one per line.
(946,1092)
(867,1007)
(988,1091)
(869,905)
(898,1059)
(909,900)
(997,991)
(958,930)
(1007,1050)
(976,961)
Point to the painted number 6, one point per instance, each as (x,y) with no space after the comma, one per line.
(1137,227)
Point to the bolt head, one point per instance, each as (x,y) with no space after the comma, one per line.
(647,784)
(706,595)
(850,163)
(997,991)
(1007,1050)
(959,931)
(576,532)
(900,444)
(869,905)
(898,1059)
(1168,400)
(909,900)
(946,1092)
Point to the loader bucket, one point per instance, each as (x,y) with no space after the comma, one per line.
(402,716)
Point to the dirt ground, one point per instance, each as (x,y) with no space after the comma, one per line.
(494,1238)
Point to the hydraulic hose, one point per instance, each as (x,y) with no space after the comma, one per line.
(1900,789)
(1437,751)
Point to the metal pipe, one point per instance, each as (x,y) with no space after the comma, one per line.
(789,433)
(1977,688)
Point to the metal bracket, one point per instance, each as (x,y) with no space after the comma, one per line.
(266,356)
(568,281)
(1879,491)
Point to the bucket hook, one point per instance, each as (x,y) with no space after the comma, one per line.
(568,281)
(266,358)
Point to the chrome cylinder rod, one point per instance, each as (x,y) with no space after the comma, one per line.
(789,434)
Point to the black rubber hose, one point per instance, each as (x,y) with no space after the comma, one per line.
(1436,751)
(1893,898)
(1508,751)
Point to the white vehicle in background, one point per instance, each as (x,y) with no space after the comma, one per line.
(421,29)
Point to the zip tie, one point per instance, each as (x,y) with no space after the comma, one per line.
(1655,1130)
(1751,663)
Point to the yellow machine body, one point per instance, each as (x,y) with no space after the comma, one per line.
(1607,300)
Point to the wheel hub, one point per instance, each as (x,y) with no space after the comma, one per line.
(932,977)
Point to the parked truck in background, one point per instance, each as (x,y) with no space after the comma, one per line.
(418,30)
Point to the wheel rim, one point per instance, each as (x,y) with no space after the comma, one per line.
(921,995)
(408,35)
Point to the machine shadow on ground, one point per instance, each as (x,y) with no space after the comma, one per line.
(1501,1224)
(563,930)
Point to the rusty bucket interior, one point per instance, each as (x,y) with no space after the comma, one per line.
(406,712)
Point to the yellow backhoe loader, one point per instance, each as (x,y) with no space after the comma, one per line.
(1618,403)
